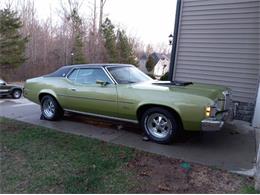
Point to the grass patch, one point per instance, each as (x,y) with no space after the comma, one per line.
(40,160)
(249,190)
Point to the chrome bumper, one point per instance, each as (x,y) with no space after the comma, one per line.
(211,124)
(214,124)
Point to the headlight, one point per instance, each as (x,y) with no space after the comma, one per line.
(210,111)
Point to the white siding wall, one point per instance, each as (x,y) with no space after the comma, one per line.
(218,43)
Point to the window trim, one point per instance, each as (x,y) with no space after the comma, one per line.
(113,76)
(68,75)
(110,75)
(101,68)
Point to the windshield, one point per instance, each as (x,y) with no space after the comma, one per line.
(128,74)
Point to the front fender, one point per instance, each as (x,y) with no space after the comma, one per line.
(173,107)
(191,112)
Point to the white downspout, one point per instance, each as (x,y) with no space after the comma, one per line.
(256,124)
(256,120)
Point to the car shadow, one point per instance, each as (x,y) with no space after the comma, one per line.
(186,136)
(9,97)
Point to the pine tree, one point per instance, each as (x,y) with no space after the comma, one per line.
(125,49)
(150,63)
(109,37)
(78,46)
(12,44)
(79,57)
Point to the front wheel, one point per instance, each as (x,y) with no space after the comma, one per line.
(17,93)
(160,125)
(50,108)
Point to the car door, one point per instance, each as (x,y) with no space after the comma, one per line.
(84,94)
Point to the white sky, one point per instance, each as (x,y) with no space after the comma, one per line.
(151,21)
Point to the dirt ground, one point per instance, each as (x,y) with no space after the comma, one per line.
(157,174)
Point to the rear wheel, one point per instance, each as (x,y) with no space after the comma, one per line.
(17,93)
(160,125)
(50,108)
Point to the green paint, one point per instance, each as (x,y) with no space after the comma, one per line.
(124,100)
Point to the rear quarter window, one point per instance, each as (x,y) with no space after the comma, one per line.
(62,72)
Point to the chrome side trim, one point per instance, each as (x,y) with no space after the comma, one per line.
(102,116)
(94,99)
(86,98)
(110,75)
(68,74)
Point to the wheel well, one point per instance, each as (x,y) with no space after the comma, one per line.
(44,94)
(16,89)
(143,108)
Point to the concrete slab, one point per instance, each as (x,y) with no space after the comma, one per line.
(221,149)
(231,149)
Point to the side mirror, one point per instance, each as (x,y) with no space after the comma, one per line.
(3,83)
(102,83)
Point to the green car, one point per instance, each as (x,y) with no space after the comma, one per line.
(123,92)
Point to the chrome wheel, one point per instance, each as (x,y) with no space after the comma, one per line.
(159,125)
(48,108)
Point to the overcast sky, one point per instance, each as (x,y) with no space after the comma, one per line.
(152,21)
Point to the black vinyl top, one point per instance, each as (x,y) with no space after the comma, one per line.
(97,65)
(63,71)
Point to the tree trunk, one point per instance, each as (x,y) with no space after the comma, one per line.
(102,4)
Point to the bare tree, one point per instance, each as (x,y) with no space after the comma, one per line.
(102,5)
(50,44)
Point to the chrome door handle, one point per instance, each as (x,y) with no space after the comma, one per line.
(73,89)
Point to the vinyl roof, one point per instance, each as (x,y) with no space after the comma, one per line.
(64,70)
(97,65)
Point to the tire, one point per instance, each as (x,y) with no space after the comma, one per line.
(50,108)
(17,93)
(160,125)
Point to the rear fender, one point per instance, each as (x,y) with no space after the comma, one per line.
(47,92)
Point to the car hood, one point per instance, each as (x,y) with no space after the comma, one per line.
(204,90)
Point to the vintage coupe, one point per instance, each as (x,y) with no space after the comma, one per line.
(118,91)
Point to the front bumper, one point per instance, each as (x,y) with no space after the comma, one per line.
(211,124)
(216,123)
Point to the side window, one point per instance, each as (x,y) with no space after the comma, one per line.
(91,75)
(73,75)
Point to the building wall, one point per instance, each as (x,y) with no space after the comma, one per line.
(218,43)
